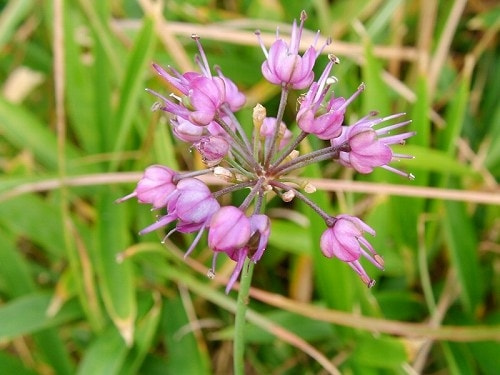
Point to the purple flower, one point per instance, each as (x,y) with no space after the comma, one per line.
(234,98)
(155,186)
(261,229)
(202,94)
(230,230)
(192,204)
(233,233)
(322,120)
(203,107)
(284,66)
(185,130)
(267,131)
(344,240)
(363,148)
(212,149)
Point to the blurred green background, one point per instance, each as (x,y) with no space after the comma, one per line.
(81,292)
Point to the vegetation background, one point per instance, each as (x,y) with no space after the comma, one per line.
(81,292)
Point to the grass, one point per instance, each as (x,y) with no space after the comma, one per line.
(81,292)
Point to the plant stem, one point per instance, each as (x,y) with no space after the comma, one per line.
(239,323)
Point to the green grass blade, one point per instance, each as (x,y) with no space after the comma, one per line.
(186,355)
(39,224)
(12,14)
(15,277)
(463,246)
(117,281)
(147,328)
(28,314)
(105,355)
(25,131)
(133,85)
(11,364)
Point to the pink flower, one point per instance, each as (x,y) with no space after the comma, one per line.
(233,233)
(206,95)
(363,148)
(344,240)
(261,229)
(212,149)
(234,98)
(192,204)
(314,116)
(185,130)
(267,131)
(284,66)
(155,186)
(229,231)
(202,95)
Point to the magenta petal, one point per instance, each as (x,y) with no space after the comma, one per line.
(229,229)
(237,270)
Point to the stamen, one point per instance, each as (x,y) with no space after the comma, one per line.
(156,106)
(211,274)
(157,94)
(397,171)
(331,80)
(259,39)
(205,68)
(387,129)
(126,197)
(403,156)
(360,89)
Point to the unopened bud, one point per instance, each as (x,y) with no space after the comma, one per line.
(224,173)
(258,116)
(309,188)
(288,196)
(292,155)
(239,177)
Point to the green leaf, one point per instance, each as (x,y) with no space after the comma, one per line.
(15,279)
(369,349)
(144,339)
(13,365)
(39,223)
(105,355)
(25,131)
(455,116)
(80,101)
(133,84)
(432,160)
(372,76)
(186,355)
(12,14)
(28,314)
(290,237)
(463,244)
(307,329)
(117,281)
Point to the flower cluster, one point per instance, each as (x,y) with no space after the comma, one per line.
(203,115)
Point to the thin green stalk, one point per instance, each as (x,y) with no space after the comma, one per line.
(240,320)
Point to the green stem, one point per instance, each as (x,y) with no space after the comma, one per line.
(239,323)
